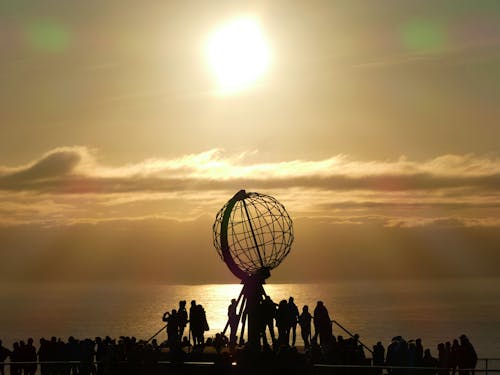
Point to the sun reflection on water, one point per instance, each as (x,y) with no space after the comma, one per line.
(377,310)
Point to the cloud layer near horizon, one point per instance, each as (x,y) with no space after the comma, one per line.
(69,185)
(68,216)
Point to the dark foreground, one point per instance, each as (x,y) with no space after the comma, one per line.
(239,360)
(130,356)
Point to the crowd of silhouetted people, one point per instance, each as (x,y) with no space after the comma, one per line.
(87,356)
(177,320)
(129,355)
(286,317)
(459,356)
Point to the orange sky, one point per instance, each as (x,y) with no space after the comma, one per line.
(376,125)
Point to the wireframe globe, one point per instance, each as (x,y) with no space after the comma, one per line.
(253,230)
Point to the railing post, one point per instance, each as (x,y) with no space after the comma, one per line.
(486,367)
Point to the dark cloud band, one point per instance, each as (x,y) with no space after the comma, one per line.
(57,172)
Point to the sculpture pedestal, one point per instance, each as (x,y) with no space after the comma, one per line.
(249,302)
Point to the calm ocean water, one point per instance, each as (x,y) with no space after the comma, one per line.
(436,311)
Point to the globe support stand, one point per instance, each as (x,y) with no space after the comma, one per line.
(249,302)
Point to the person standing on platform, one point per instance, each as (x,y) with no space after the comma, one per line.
(322,324)
(202,324)
(233,319)
(294,316)
(467,356)
(4,354)
(378,356)
(269,313)
(305,325)
(30,356)
(283,323)
(193,321)
(182,318)
(430,362)
(172,327)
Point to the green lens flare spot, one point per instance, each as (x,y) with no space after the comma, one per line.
(423,36)
(48,37)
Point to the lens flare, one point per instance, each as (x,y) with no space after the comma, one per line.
(46,36)
(423,36)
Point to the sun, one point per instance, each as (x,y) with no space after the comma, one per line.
(238,54)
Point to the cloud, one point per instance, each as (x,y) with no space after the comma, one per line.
(442,222)
(165,250)
(74,170)
(70,185)
(53,165)
(69,216)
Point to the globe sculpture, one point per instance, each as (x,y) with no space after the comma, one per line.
(253,233)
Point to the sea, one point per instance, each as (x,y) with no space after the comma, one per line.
(433,310)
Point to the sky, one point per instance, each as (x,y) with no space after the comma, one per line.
(376,124)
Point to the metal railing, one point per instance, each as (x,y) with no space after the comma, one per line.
(415,369)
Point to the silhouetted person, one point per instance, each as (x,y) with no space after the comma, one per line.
(204,323)
(283,323)
(260,322)
(182,318)
(412,356)
(87,356)
(22,357)
(15,356)
(356,354)
(305,325)
(100,353)
(391,353)
(269,314)
(467,358)
(4,354)
(73,353)
(198,323)
(51,355)
(429,361)
(378,356)
(419,351)
(233,319)
(30,356)
(322,324)
(172,327)
(193,321)
(443,359)
(397,354)
(453,351)
(294,316)
(42,356)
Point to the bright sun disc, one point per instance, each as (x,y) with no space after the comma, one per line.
(238,54)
